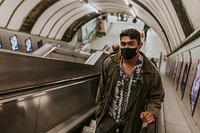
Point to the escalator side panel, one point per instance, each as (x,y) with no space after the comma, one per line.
(64,103)
(19,116)
(18,71)
(45,110)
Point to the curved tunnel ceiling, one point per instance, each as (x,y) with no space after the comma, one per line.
(60,19)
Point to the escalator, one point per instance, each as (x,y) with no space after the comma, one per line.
(51,95)
(40,94)
(54,52)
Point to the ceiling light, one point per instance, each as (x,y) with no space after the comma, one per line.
(92,7)
(130,7)
(122,17)
(132,12)
(127,2)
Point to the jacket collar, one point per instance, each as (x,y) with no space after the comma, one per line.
(147,65)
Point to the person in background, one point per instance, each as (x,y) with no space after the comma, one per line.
(145,29)
(115,49)
(153,61)
(130,90)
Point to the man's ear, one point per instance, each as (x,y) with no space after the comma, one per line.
(140,45)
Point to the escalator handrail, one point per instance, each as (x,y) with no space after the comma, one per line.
(17,94)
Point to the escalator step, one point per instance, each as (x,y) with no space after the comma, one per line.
(92,124)
(88,130)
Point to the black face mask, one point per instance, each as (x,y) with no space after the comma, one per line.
(128,53)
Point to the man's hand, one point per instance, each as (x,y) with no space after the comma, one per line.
(147,117)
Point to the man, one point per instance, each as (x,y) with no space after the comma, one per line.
(130,89)
(153,61)
(145,29)
(115,49)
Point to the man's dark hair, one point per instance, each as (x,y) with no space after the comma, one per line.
(132,33)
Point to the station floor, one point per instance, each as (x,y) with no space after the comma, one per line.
(174,117)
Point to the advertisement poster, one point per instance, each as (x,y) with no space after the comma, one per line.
(174,71)
(179,69)
(171,69)
(185,78)
(28,44)
(88,30)
(14,43)
(195,87)
(1,45)
(40,44)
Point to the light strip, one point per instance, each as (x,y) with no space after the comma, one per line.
(92,7)
(127,2)
(132,12)
(130,7)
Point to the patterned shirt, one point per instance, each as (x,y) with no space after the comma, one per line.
(117,109)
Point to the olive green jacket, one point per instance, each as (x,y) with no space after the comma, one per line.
(147,95)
